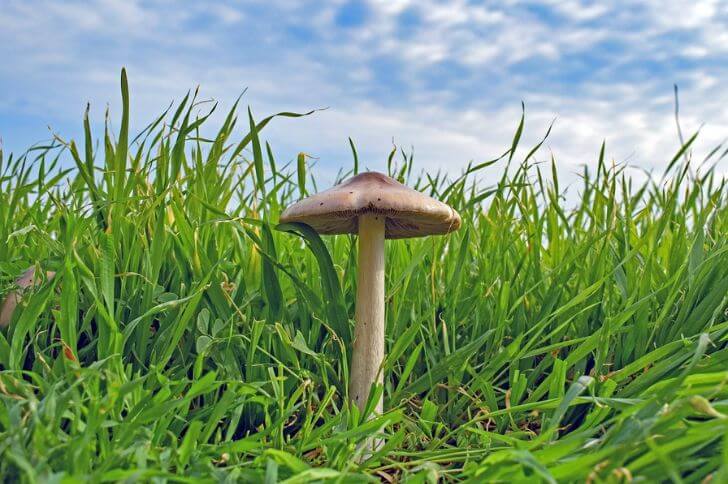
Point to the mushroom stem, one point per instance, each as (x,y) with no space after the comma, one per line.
(368,352)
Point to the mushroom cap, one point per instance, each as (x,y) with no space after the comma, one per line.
(408,212)
(26,280)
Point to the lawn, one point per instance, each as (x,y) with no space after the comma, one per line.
(184,338)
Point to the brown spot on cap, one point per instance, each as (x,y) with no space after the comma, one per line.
(408,212)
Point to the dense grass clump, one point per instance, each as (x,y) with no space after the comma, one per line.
(184,338)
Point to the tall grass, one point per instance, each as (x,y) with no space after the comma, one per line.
(184,337)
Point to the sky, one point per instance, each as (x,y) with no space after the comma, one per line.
(445,79)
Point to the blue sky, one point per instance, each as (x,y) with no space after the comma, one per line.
(446,78)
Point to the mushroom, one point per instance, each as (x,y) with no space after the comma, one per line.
(26,280)
(376,207)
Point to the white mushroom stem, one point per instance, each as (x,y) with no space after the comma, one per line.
(368,352)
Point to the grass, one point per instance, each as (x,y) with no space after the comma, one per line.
(185,339)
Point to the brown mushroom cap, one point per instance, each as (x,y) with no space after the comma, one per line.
(408,212)
(26,280)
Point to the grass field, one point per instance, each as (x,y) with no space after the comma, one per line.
(185,339)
